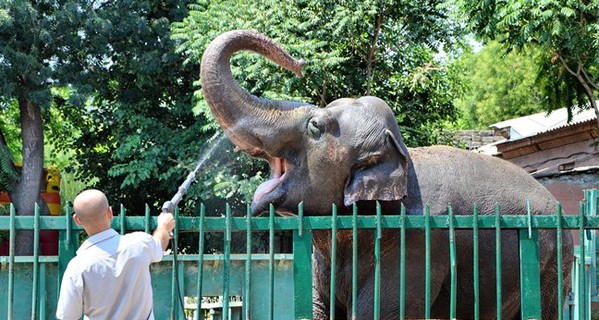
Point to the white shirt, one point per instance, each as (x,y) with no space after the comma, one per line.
(110,278)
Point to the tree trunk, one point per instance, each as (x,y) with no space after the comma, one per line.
(27,191)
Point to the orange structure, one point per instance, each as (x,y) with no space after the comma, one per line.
(50,190)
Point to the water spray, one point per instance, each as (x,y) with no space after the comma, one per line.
(170,205)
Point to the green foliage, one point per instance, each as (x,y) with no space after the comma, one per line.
(9,131)
(353,48)
(567,33)
(8,177)
(9,126)
(41,45)
(138,138)
(501,85)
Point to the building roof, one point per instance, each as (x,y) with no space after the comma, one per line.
(533,125)
(547,144)
(523,127)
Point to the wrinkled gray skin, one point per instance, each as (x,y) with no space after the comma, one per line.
(351,151)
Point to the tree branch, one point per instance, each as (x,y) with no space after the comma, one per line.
(371,52)
(584,83)
(563,61)
(323,94)
(588,79)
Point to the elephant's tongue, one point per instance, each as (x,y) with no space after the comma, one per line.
(278,169)
(265,188)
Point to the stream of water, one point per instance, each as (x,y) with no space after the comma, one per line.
(169,206)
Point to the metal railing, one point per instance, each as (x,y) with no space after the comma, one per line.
(279,286)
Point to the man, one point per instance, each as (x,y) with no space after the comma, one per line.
(110,276)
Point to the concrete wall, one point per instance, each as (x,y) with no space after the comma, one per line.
(568,188)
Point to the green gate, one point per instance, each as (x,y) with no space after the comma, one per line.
(279,286)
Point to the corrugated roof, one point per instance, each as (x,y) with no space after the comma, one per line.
(534,124)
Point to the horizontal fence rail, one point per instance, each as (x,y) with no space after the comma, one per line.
(279,286)
(216,224)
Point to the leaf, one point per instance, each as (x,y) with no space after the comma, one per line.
(567,12)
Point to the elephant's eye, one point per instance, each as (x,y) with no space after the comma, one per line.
(314,129)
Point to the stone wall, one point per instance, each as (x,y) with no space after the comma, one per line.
(472,139)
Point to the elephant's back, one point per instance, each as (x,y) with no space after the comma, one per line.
(445,175)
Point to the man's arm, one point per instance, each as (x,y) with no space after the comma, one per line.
(70,299)
(166,224)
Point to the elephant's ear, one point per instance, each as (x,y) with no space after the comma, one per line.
(382,176)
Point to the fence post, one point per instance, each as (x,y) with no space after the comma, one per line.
(592,209)
(302,270)
(585,273)
(68,242)
(530,277)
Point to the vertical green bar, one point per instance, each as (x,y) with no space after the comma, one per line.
(529,218)
(11,262)
(271,262)
(560,276)
(248,264)
(199,313)
(227,263)
(67,244)
(68,224)
(402,263)
(122,219)
(453,266)
(174,293)
(498,260)
(427,262)
(300,218)
(333,261)
(592,208)
(475,277)
(377,262)
(354,269)
(36,263)
(43,292)
(530,277)
(147,220)
(302,271)
(181,283)
(581,264)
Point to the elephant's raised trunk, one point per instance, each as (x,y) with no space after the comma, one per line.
(231,105)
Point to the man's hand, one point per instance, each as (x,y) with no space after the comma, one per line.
(166,220)
(166,224)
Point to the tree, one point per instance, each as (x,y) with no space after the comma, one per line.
(139,135)
(80,46)
(354,48)
(35,38)
(566,31)
(501,85)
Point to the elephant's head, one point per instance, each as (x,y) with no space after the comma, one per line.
(349,151)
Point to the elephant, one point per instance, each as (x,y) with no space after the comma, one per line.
(350,153)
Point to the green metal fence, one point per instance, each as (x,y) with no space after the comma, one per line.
(279,286)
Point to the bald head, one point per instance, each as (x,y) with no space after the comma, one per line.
(91,208)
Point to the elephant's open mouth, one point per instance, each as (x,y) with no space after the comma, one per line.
(278,170)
